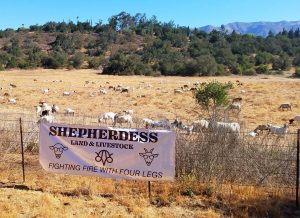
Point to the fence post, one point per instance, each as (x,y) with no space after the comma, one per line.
(22,150)
(297,169)
(149,183)
(149,190)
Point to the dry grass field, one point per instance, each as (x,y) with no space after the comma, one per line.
(260,102)
(57,195)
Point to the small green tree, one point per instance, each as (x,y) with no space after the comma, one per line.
(212,96)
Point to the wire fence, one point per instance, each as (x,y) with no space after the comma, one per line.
(268,160)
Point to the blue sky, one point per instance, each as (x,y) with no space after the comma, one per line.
(194,13)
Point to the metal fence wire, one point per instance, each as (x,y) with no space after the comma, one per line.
(268,160)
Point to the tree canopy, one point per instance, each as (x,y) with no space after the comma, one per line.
(136,44)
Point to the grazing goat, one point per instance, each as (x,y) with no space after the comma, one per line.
(66,93)
(179,125)
(177,91)
(147,122)
(103,91)
(46,91)
(261,128)
(278,129)
(69,111)
(46,107)
(162,123)
(252,134)
(46,118)
(228,127)
(12,85)
(107,116)
(123,90)
(287,106)
(200,125)
(282,130)
(12,101)
(129,112)
(234,106)
(38,109)
(296,118)
(123,119)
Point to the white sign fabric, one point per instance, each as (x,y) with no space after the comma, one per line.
(139,154)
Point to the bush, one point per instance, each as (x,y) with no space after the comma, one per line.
(77,60)
(212,96)
(143,69)
(221,71)
(95,62)
(249,72)
(262,69)
(55,60)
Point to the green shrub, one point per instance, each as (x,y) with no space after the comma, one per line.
(249,72)
(77,60)
(262,69)
(95,62)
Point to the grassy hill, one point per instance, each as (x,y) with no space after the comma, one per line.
(137,45)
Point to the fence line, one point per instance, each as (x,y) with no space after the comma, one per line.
(209,156)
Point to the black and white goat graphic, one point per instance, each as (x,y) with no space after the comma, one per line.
(58,149)
(148,156)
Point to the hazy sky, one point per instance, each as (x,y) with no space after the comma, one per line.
(195,13)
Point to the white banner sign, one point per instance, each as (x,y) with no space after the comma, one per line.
(139,154)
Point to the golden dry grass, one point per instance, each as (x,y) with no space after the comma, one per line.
(58,195)
(260,102)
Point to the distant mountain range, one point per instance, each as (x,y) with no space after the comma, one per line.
(256,28)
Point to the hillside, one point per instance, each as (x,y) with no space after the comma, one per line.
(137,45)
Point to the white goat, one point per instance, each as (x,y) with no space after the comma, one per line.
(103,91)
(177,91)
(199,125)
(229,127)
(65,93)
(234,106)
(12,101)
(69,111)
(129,112)
(38,109)
(46,91)
(147,122)
(46,107)
(252,134)
(162,123)
(278,129)
(123,119)
(47,119)
(107,116)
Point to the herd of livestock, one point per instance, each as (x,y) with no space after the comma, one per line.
(46,113)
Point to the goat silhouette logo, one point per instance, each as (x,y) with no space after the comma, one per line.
(148,156)
(104,156)
(58,149)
